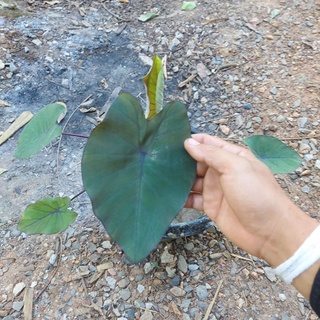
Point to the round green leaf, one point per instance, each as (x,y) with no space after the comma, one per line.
(40,131)
(47,216)
(275,154)
(137,173)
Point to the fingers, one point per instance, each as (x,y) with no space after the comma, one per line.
(215,153)
(195,201)
(220,143)
(198,185)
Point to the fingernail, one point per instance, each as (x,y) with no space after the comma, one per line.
(193,142)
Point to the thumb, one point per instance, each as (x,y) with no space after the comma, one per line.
(213,156)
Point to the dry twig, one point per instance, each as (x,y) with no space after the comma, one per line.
(58,253)
(185,82)
(113,14)
(28,303)
(64,127)
(206,316)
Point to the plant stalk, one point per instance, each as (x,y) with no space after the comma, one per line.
(74,135)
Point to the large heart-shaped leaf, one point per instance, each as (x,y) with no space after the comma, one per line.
(40,131)
(47,216)
(137,173)
(275,154)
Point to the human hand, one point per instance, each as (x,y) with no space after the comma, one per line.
(239,193)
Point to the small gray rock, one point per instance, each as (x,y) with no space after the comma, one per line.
(177,291)
(111,282)
(297,103)
(281,118)
(18,288)
(125,294)
(17,305)
(302,122)
(202,292)
(175,281)
(166,257)
(53,259)
(148,267)
(189,246)
(193,267)
(247,106)
(106,244)
(123,283)
(15,233)
(140,288)
(305,189)
(270,274)
(273,90)
(147,316)
(282,297)
(308,157)
(182,264)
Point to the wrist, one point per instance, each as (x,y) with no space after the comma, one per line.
(291,230)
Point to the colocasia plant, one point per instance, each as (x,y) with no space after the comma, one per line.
(134,167)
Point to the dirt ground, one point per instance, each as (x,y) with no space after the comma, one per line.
(241,67)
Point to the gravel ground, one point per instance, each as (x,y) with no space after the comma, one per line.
(241,68)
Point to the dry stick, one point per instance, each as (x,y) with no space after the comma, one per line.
(308,315)
(63,128)
(240,257)
(113,14)
(58,245)
(206,317)
(297,138)
(28,303)
(185,82)
(152,311)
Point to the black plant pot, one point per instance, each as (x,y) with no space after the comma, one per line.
(189,228)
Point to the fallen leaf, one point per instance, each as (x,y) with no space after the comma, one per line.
(164,66)
(148,16)
(86,24)
(3,170)
(173,307)
(224,129)
(252,27)
(104,83)
(4,104)
(7,5)
(124,1)
(63,114)
(24,118)
(87,103)
(85,110)
(188,5)
(52,3)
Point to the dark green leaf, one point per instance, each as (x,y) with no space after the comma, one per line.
(275,154)
(47,216)
(40,131)
(137,173)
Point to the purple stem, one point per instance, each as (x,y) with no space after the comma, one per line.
(74,135)
(77,195)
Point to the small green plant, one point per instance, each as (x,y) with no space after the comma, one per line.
(134,167)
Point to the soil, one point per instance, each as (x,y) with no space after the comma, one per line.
(255,70)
